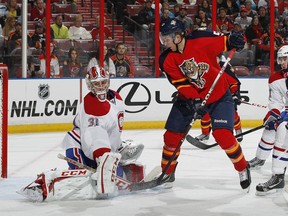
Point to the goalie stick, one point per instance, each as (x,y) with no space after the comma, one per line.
(123,184)
(204,146)
(161,179)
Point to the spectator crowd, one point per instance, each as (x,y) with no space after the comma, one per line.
(74,43)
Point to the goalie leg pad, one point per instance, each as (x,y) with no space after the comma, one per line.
(61,185)
(106,173)
(134,172)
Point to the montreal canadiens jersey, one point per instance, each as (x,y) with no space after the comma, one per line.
(278,91)
(100,123)
(193,71)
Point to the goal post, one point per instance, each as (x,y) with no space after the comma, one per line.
(4,119)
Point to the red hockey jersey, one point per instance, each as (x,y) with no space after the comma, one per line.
(193,71)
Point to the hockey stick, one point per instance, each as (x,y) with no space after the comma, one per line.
(160,180)
(204,146)
(253,104)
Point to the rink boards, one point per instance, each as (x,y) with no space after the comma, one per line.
(51,104)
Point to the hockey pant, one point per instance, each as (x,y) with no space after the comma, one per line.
(206,123)
(277,142)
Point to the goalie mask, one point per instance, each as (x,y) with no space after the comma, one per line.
(98,82)
(282,59)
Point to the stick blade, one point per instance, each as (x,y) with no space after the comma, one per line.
(198,143)
(144,185)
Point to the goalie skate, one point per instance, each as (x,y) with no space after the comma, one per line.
(32,192)
(130,151)
(274,184)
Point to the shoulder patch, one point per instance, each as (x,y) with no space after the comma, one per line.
(278,75)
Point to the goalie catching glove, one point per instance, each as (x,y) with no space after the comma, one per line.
(130,151)
(236,98)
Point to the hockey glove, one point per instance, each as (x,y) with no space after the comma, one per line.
(284,115)
(199,110)
(236,40)
(272,125)
(236,98)
(271,118)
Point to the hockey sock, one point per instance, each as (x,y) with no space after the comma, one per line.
(171,140)
(231,147)
(237,121)
(206,124)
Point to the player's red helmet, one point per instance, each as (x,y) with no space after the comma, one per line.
(98,82)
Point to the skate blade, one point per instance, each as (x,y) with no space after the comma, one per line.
(168,185)
(246,190)
(270,192)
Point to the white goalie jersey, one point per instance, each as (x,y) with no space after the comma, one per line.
(100,124)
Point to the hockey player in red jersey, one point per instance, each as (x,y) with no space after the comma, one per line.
(275,134)
(190,65)
(234,84)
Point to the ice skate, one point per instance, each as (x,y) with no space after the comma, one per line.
(245,179)
(275,184)
(202,137)
(256,163)
(130,151)
(240,138)
(168,180)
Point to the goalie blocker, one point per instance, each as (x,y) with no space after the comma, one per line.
(82,184)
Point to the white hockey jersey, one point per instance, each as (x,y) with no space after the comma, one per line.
(100,123)
(278,92)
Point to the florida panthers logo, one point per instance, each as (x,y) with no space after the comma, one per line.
(194,71)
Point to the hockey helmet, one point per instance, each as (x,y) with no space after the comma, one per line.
(282,52)
(171,28)
(98,82)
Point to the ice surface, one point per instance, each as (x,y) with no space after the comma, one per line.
(206,183)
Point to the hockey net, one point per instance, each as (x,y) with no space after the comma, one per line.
(3,119)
